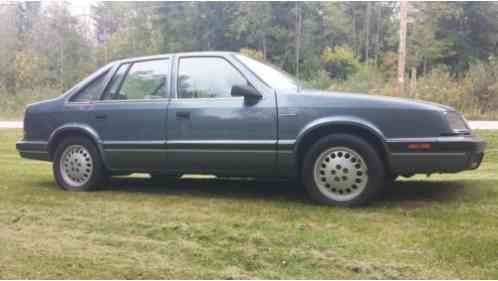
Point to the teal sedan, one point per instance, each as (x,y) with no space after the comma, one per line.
(226,114)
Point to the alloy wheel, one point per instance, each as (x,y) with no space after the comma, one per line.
(76,165)
(340,173)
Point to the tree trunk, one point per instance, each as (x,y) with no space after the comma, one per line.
(298,37)
(367,31)
(354,33)
(379,32)
(62,63)
(360,29)
(402,46)
(413,83)
(264,46)
(425,66)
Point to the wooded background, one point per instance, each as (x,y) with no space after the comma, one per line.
(451,47)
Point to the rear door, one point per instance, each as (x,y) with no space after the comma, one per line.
(209,131)
(131,116)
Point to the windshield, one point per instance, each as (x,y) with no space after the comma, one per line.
(270,74)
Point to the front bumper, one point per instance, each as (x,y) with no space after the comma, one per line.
(37,150)
(445,155)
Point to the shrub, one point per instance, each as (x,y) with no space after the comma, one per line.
(389,64)
(252,53)
(321,81)
(31,69)
(483,78)
(13,105)
(340,62)
(476,94)
(368,79)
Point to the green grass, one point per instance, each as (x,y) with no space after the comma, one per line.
(438,227)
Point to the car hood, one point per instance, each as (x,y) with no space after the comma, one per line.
(375,100)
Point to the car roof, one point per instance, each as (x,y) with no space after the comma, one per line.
(160,56)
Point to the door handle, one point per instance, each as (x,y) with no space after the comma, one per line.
(101,116)
(182,115)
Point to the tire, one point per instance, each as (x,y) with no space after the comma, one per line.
(389,183)
(391,178)
(343,170)
(77,165)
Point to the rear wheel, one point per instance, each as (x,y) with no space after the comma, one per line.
(343,170)
(77,165)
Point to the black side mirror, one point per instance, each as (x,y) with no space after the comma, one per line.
(245,91)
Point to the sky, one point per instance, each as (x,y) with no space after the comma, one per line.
(80,7)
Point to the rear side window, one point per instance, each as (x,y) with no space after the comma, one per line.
(92,91)
(116,80)
(144,81)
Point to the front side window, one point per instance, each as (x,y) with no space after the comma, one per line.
(92,91)
(145,80)
(207,77)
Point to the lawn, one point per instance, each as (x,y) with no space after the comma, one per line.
(438,227)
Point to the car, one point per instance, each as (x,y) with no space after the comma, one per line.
(226,114)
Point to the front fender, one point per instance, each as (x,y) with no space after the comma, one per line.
(341,121)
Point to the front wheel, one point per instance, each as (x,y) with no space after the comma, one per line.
(343,170)
(77,165)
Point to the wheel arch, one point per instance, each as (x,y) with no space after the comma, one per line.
(74,130)
(347,125)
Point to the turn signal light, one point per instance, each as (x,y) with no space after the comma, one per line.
(420,146)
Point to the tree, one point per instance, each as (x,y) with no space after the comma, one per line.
(31,69)
(26,15)
(470,29)
(107,17)
(452,33)
(250,24)
(340,62)
(402,46)
(57,38)
(8,46)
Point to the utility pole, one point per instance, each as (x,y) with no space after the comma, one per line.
(402,46)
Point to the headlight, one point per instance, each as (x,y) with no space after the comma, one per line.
(457,122)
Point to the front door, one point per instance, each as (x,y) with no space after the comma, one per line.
(131,116)
(209,131)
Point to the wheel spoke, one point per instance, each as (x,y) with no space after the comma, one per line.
(76,165)
(340,173)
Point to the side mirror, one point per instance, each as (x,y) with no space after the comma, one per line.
(245,91)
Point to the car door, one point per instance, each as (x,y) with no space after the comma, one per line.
(131,116)
(209,131)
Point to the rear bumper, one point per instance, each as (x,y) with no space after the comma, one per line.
(37,150)
(445,155)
